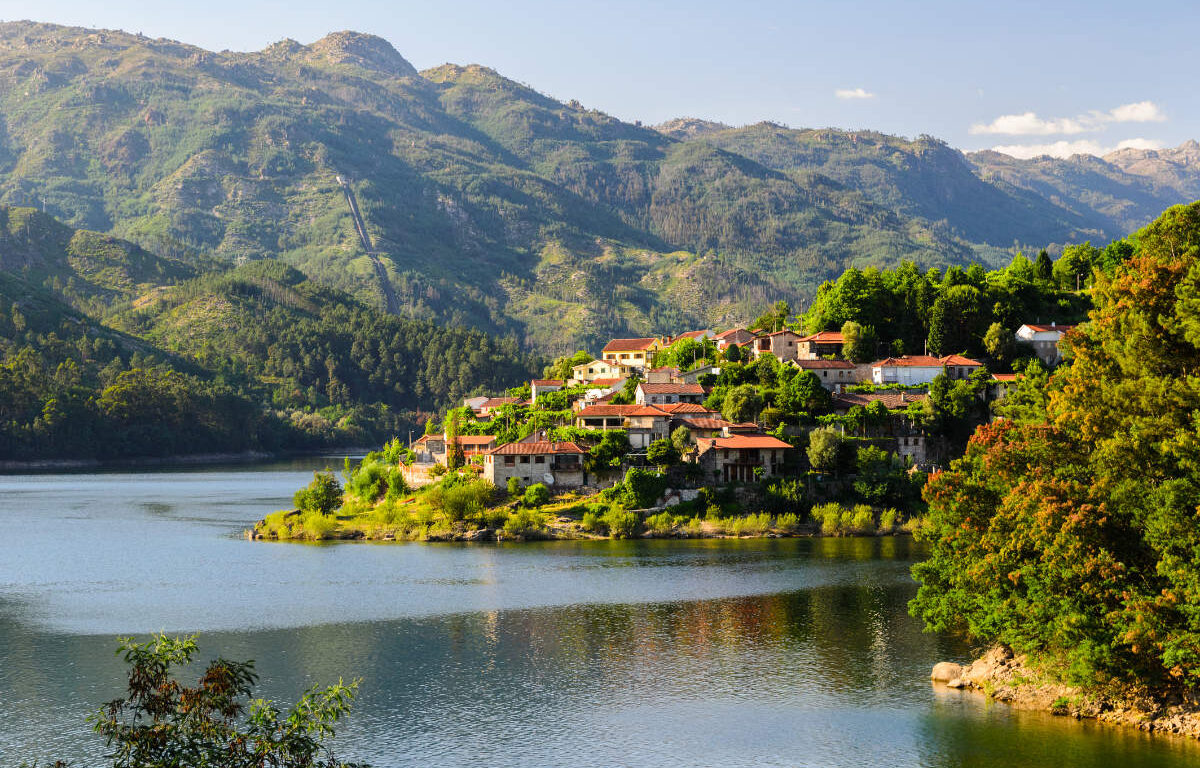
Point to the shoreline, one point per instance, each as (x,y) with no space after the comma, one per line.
(1002,676)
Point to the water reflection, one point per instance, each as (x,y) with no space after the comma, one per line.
(643,653)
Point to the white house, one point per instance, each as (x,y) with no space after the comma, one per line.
(1044,340)
(913,370)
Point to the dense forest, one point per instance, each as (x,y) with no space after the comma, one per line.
(1070,529)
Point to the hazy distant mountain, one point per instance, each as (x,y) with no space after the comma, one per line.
(491,204)
(1123,190)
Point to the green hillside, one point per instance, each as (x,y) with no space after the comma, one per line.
(109,352)
(490,204)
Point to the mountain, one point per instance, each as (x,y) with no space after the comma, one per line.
(1123,190)
(480,201)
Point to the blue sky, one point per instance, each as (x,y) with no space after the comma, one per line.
(1026,76)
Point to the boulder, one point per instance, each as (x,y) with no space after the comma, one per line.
(946,671)
(956,683)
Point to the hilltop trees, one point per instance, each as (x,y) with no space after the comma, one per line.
(1070,531)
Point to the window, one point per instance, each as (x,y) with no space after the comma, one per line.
(524,459)
(539,459)
(509,461)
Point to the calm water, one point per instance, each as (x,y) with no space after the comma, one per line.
(721,653)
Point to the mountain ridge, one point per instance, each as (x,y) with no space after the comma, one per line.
(491,204)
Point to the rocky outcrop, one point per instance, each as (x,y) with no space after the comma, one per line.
(1012,679)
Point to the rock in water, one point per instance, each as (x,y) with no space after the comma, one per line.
(946,671)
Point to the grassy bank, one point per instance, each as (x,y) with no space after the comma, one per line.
(471,512)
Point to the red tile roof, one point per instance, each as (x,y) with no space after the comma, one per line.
(548,382)
(629,345)
(492,402)
(667,388)
(891,400)
(746,441)
(598,411)
(604,382)
(648,410)
(692,335)
(682,408)
(732,331)
(785,330)
(705,422)
(1004,376)
(526,449)
(1048,328)
(925,361)
(819,364)
(825,337)
(959,360)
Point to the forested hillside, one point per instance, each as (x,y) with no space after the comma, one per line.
(491,204)
(108,352)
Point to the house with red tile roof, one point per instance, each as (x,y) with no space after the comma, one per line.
(1044,339)
(637,353)
(598,369)
(834,375)
(492,403)
(541,386)
(912,370)
(663,375)
(821,344)
(736,336)
(693,335)
(432,448)
(741,458)
(667,392)
(558,465)
(784,345)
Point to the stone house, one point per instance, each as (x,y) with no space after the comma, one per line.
(821,344)
(735,458)
(693,376)
(737,336)
(558,465)
(660,393)
(784,345)
(835,375)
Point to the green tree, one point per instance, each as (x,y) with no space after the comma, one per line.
(536,495)
(1000,344)
(455,457)
(662,454)
(860,342)
(681,438)
(162,722)
(825,449)
(1043,269)
(323,494)
(742,403)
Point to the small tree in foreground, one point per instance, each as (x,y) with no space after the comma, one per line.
(161,722)
(323,494)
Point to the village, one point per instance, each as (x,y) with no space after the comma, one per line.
(663,414)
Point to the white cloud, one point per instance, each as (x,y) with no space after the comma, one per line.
(1029,124)
(853,93)
(1139,112)
(1077,147)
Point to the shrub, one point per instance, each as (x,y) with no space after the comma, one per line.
(591,522)
(663,522)
(695,525)
(536,495)
(317,525)
(437,470)
(862,519)
(466,500)
(621,524)
(830,517)
(514,488)
(788,522)
(525,523)
(887,519)
(751,525)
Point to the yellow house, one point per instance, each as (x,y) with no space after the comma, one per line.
(638,353)
(598,369)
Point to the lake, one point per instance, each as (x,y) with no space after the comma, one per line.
(785,652)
